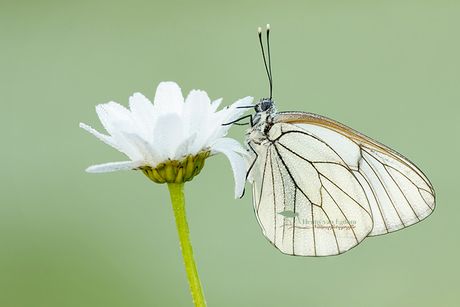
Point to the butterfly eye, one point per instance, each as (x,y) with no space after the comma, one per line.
(267,104)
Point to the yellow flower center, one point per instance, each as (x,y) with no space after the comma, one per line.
(177,171)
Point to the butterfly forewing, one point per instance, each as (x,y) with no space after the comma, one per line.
(399,193)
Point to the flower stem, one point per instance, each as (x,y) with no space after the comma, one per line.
(176,190)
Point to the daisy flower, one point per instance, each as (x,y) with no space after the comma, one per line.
(170,139)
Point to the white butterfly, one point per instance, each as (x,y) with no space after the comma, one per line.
(320,187)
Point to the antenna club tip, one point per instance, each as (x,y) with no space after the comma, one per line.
(268,26)
(259,30)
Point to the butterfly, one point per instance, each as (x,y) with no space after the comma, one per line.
(320,187)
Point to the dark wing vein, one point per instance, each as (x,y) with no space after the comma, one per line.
(290,174)
(346,218)
(383,186)
(375,196)
(274,197)
(284,198)
(330,223)
(293,223)
(262,183)
(419,188)
(313,227)
(385,166)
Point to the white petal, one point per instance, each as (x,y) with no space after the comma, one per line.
(145,149)
(196,117)
(215,104)
(105,138)
(199,100)
(186,147)
(125,128)
(143,112)
(115,166)
(227,146)
(207,125)
(111,113)
(168,135)
(168,98)
(117,119)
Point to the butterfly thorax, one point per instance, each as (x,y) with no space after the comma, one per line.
(262,121)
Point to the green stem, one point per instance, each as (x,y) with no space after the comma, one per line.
(176,190)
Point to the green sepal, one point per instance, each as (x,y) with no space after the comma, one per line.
(173,171)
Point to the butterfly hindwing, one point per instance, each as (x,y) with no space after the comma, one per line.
(297,172)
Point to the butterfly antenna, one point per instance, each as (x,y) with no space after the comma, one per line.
(269,61)
(263,55)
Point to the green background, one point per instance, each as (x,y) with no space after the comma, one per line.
(389,69)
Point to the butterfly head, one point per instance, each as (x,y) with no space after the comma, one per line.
(264,109)
(265,105)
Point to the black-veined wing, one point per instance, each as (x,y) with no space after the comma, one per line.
(399,193)
(320,187)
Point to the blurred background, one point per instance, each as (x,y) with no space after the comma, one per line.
(389,69)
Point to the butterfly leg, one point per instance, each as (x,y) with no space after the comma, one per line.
(250,168)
